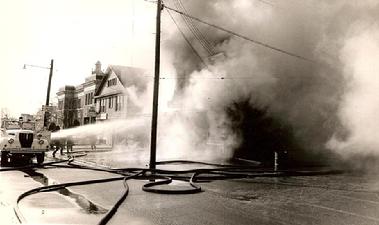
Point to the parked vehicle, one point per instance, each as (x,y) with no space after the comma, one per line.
(19,144)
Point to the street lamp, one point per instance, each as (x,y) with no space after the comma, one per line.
(48,86)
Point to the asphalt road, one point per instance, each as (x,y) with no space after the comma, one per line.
(348,198)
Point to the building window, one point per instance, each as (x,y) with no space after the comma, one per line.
(89,99)
(60,105)
(119,102)
(77,103)
(102,105)
(112,82)
(116,106)
(110,101)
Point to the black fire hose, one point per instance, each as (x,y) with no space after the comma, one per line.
(158,177)
(195,162)
(167,180)
(55,187)
(113,210)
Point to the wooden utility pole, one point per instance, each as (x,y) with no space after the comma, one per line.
(51,68)
(45,122)
(154,121)
(49,84)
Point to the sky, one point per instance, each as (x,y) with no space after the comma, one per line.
(76,34)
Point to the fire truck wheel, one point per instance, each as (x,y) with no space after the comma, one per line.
(40,158)
(4,158)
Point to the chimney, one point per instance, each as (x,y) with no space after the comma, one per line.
(98,68)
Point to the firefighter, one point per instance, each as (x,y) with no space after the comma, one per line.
(69,144)
(92,141)
(58,144)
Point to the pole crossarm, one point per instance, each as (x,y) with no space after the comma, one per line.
(42,67)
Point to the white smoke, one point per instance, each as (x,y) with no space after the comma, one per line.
(360,105)
(330,102)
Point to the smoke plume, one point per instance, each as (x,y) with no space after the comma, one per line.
(360,104)
(327,103)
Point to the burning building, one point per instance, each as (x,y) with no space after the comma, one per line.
(285,84)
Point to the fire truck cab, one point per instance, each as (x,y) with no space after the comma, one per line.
(20,142)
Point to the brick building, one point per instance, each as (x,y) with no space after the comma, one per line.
(66,111)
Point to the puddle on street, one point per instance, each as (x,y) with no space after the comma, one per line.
(86,205)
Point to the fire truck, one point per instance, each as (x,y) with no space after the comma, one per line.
(20,142)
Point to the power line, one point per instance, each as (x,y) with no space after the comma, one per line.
(266,2)
(191,28)
(198,77)
(198,34)
(186,39)
(240,35)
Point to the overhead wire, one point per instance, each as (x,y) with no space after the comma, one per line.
(197,30)
(241,36)
(266,2)
(197,33)
(191,29)
(186,39)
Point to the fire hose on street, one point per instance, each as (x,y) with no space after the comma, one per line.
(158,177)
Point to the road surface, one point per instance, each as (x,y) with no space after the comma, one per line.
(348,198)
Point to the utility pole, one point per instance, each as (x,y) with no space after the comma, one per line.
(48,94)
(51,68)
(49,84)
(154,121)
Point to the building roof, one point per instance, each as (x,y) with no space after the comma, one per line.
(128,76)
(79,88)
(66,89)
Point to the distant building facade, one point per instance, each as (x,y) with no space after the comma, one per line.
(112,99)
(52,114)
(116,97)
(26,117)
(86,96)
(101,97)
(76,105)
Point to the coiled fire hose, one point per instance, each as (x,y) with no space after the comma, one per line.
(158,177)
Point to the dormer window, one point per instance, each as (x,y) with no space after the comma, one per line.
(112,82)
